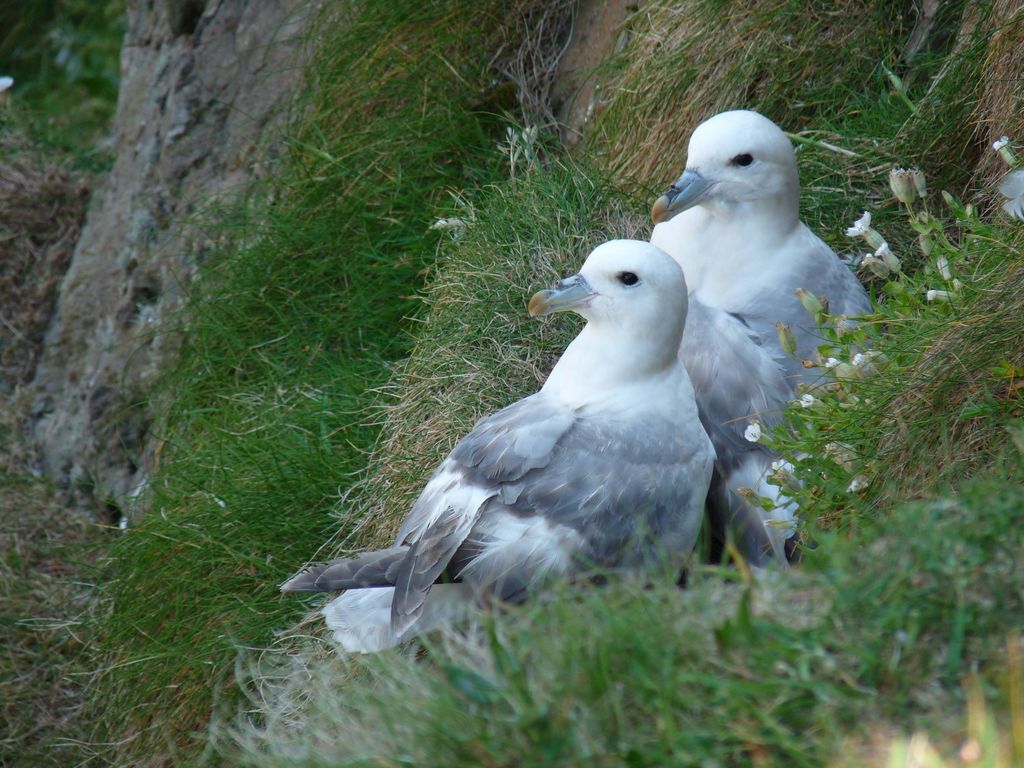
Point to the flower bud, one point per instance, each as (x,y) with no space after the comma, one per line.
(902,185)
(925,241)
(845,372)
(811,303)
(782,476)
(934,295)
(867,363)
(874,239)
(920,183)
(942,264)
(1003,148)
(877,267)
(786,338)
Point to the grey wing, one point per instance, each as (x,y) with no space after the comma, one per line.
(839,284)
(819,271)
(632,493)
(736,379)
(502,447)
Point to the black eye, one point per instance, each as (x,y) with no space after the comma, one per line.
(742,160)
(628,278)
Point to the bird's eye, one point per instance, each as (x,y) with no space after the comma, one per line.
(628,278)
(742,160)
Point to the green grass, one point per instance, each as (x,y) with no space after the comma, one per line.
(47,554)
(291,331)
(724,673)
(64,56)
(292,402)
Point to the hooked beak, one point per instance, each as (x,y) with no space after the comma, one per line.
(569,294)
(689,189)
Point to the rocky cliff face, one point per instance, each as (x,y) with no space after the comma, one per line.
(202,84)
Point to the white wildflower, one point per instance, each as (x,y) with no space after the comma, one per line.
(934,295)
(860,226)
(942,264)
(807,400)
(6,83)
(831,363)
(877,267)
(842,453)
(1002,142)
(859,483)
(865,363)
(752,432)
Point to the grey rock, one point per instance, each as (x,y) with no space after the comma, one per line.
(203,84)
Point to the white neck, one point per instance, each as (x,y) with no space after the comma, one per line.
(605,361)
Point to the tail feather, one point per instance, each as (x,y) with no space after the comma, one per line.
(361,620)
(370,569)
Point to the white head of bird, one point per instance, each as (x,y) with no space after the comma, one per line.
(633,296)
(736,160)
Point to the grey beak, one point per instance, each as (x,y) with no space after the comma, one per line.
(568,294)
(688,191)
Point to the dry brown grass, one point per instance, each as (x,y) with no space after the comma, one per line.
(948,415)
(690,60)
(46,549)
(1000,107)
(42,205)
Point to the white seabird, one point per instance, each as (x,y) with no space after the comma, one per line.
(732,222)
(607,466)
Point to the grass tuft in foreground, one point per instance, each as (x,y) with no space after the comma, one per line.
(877,632)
